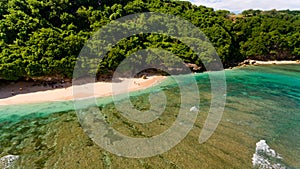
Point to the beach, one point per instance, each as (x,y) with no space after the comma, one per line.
(29,92)
(26,93)
(270,62)
(281,62)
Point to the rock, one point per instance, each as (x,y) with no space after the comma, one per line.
(193,66)
(251,62)
(144,77)
(246,62)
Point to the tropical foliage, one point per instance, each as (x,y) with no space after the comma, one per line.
(41,38)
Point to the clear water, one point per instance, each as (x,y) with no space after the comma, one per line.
(263,102)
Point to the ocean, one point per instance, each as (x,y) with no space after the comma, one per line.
(259,128)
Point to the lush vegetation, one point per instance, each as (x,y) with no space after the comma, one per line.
(41,38)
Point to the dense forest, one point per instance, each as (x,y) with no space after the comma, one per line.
(42,38)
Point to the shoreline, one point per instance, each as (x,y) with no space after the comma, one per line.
(283,62)
(29,92)
(271,62)
(32,94)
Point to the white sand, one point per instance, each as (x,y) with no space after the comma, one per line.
(101,89)
(276,62)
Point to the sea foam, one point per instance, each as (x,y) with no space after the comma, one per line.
(8,161)
(194,109)
(265,157)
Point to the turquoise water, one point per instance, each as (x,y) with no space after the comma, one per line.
(271,96)
(263,103)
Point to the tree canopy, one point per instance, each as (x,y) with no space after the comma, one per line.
(44,37)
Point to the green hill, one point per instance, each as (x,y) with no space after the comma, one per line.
(42,38)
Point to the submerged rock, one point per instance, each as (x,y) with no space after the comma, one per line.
(8,161)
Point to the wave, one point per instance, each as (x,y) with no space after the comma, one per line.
(266,158)
(8,161)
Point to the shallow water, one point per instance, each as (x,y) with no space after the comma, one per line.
(263,103)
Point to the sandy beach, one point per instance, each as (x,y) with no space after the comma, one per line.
(281,62)
(271,62)
(25,93)
(29,92)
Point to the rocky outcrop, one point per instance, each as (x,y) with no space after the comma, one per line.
(247,62)
(193,67)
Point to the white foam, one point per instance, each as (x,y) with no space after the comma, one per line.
(194,109)
(261,155)
(7,161)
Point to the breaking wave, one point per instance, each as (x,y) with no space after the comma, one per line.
(266,158)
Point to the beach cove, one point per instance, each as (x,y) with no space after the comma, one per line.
(32,93)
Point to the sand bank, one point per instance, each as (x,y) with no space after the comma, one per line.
(21,93)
